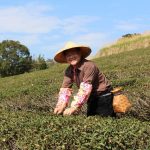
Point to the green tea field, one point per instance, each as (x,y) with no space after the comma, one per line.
(27,102)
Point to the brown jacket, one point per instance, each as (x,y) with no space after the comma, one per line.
(87,72)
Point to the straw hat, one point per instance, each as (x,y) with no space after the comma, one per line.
(60,57)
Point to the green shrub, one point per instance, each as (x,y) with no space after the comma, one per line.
(22,130)
(27,102)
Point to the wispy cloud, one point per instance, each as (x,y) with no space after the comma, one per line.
(127,26)
(77,24)
(95,40)
(26,19)
(33,19)
(26,39)
(34,26)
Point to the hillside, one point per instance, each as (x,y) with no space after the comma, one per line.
(27,101)
(128,43)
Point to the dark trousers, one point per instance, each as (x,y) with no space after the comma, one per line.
(100,105)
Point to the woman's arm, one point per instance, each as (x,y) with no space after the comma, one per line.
(82,95)
(63,99)
(64,94)
(81,98)
(90,75)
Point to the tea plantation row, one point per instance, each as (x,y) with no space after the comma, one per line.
(24,131)
(27,102)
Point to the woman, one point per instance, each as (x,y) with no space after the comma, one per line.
(93,86)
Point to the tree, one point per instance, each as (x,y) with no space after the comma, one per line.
(129,35)
(14,58)
(50,62)
(39,64)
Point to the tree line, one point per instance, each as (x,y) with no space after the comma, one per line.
(15,59)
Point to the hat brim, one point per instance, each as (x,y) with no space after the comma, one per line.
(60,57)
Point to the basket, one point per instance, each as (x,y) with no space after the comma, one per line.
(121,103)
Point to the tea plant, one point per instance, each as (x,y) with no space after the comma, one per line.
(27,102)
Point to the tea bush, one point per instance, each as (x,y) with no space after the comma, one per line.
(27,102)
(22,130)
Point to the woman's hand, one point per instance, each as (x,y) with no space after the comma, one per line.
(60,108)
(70,111)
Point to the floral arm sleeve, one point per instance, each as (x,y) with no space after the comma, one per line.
(82,95)
(64,96)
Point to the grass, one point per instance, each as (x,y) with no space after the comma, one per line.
(126,44)
(27,102)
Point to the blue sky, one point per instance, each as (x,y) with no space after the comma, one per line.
(45,26)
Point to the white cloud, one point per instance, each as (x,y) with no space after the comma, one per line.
(76,24)
(34,26)
(26,19)
(33,18)
(95,40)
(29,40)
(26,39)
(126,26)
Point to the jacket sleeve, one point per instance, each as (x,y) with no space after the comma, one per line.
(82,95)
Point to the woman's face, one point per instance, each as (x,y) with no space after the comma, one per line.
(73,57)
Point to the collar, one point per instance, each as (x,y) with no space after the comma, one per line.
(80,65)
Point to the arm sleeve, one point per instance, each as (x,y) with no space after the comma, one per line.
(82,95)
(64,96)
(65,91)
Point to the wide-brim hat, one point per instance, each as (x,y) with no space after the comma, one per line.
(60,57)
